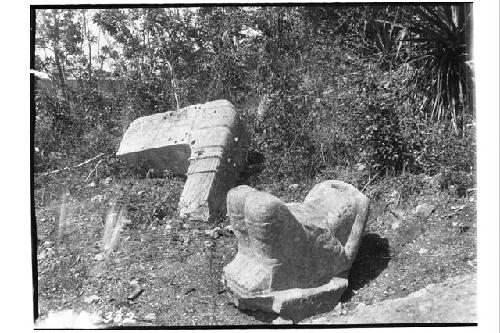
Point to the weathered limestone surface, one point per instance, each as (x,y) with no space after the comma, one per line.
(293,259)
(207,142)
(451,301)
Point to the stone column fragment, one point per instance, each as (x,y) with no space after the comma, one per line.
(206,142)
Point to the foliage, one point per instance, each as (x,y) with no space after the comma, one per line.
(319,87)
(441,59)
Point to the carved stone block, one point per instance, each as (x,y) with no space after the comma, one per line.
(293,259)
(207,142)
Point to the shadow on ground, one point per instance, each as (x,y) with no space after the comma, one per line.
(373,258)
(264,317)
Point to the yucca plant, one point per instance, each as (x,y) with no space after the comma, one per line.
(443,59)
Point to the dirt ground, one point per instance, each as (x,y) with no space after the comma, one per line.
(166,272)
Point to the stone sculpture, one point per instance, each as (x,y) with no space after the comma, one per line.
(207,142)
(293,259)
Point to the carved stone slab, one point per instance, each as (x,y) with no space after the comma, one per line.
(207,142)
(293,259)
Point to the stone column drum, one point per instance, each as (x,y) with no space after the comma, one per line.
(293,259)
(207,142)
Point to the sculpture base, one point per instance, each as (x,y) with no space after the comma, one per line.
(296,303)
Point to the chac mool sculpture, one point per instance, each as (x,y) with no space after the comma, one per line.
(293,259)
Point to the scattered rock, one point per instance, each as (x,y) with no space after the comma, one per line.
(423,251)
(91,299)
(229,229)
(458,208)
(106,181)
(424,210)
(189,290)
(136,293)
(395,225)
(400,214)
(360,166)
(394,196)
(282,321)
(150,317)
(213,233)
(361,305)
(293,187)
(98,198)
(186,240)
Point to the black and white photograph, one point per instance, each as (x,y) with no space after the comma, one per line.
(255,165)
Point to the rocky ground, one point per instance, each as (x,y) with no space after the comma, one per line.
(161,271)
(450,301)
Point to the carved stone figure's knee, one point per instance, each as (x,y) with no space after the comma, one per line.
(236,199)
(264,215)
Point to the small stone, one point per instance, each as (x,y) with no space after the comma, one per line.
(423,251)
(91,299)
(106,181)
(360,166)
(229,229)
(424,210)
(92,184)
(293,187)
(186,240)
(213,233)
(189,290)
(282,321)
(150,317)
(393,197)
(48,243)
(395,225)
(42,255)
(98,198)
(99,257)
(136,293)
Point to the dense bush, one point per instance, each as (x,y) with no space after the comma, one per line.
(320,88)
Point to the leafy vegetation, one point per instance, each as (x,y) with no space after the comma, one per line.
(318,86)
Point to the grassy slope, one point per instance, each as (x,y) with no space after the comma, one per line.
(179,267)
